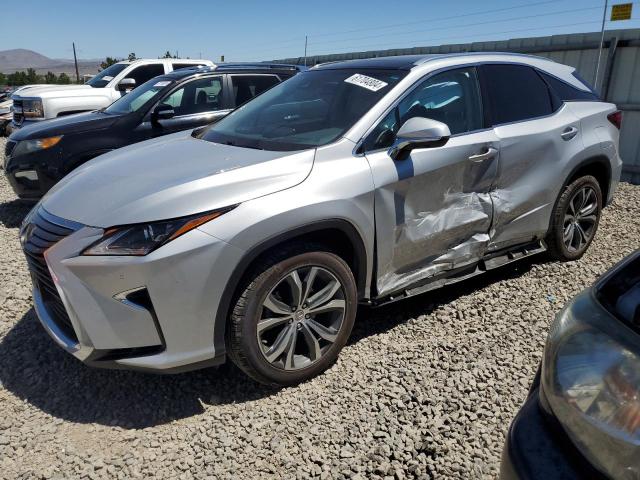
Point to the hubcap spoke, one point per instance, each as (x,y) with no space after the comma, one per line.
(312,342)
(295,284)
(327,307)
(580,219)
(267,323)
(281,343)
(324,295)
(589,219)
(328,334)
(308,283)
(276,306)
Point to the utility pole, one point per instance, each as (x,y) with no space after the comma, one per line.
(305,50)
(75,60)
(604,19)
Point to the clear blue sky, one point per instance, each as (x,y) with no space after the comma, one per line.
(263,30)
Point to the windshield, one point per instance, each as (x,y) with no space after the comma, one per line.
(105,76)
(132,102)
(311,109)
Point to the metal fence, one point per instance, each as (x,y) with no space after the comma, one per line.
(618,82)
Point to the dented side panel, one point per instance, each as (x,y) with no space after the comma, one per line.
(533,162)
(433,210)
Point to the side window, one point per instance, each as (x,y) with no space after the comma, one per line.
(197,96)
(245,87)
(516,93)
(145,73)
(567,92)
(452,97)
(177,66)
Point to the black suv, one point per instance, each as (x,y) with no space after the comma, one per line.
(38,156)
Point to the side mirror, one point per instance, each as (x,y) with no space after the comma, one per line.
(418,132)
(162,112)
(126,84)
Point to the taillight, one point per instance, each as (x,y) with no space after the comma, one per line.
(615,118)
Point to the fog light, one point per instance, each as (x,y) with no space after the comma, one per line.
(28,174)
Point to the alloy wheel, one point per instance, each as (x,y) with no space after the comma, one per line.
(580,219)
(301,318)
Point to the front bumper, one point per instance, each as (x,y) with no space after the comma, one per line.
(33,174)
(173,330)
(536,447)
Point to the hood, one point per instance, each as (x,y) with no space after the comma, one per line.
(70,124)
(171,177)
(57,91)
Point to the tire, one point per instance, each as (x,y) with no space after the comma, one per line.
(282,352)
(575,219)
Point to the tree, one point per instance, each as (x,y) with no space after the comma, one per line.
(108,62)
(32,77)
(50,77)
(3,79)
(167,54)
(17,79)
(132,57)
(64,79)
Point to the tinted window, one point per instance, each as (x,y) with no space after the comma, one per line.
(516,93)
(197,96)
(451,97)
(245,87)
(177,66)
(145,73)
(313,108)
(133,101)
(105,76)
(565,91)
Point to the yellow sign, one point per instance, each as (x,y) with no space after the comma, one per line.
(622,11)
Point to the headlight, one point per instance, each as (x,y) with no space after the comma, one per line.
(32,109)
(591,380)
(142,239)
(28,146)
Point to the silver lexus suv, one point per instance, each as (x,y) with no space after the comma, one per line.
(359,182)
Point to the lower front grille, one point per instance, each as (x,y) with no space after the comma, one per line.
(43,231)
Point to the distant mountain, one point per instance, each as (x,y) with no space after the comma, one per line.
(21,59)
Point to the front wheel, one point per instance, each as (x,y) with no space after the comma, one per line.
(294,316)
(575,219)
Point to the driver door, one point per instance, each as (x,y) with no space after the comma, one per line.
(433,210)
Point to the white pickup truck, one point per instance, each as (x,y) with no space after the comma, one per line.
(41,102)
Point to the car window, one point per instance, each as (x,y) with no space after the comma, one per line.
(245,87)
(567,92)
(133,101)
(451,97)
(144,73)
(312,108)
(196,96)
(105,76)
(177,66)
(516,93)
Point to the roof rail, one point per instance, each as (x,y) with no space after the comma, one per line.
(265,65)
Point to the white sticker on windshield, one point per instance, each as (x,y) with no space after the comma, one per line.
(107,78)
(164,83)
(369,83)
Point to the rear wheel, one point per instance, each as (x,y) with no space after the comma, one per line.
(575,219)
(293,317)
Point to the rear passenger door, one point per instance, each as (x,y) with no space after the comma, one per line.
(537,135)
(245,87)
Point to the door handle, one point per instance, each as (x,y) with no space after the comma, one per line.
(569,133)
(481,157)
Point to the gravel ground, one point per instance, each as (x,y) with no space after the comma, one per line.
(425,389)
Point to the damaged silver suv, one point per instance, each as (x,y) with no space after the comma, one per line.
(356,182)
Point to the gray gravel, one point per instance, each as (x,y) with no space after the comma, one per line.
(425,389)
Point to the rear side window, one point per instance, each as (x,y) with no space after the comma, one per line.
(245,87)
(145,73)
(177,66)
(516,93)
(567,92)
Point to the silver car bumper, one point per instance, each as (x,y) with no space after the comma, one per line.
(170,327)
